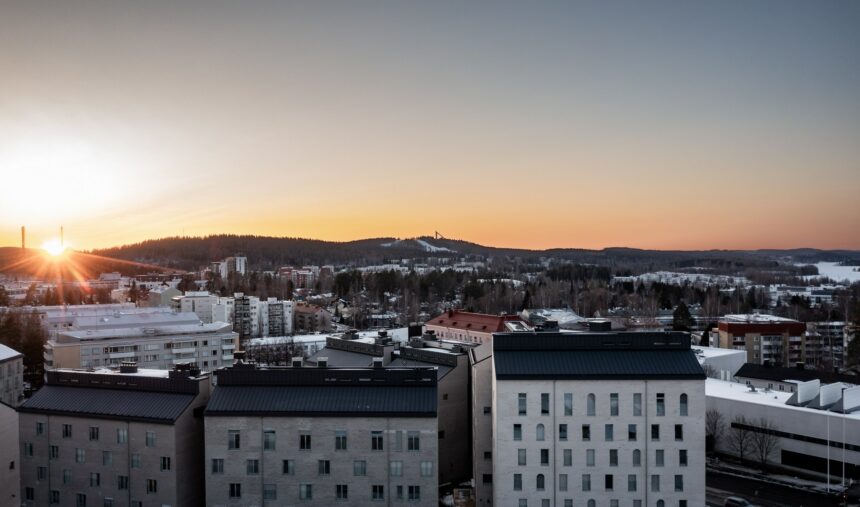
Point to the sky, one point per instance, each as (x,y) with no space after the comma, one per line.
(666,125)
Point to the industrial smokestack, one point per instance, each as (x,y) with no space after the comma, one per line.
(62,243)
(23,237)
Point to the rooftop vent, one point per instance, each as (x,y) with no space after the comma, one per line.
(128,367)
(297,362)
(377,362)
(322,362)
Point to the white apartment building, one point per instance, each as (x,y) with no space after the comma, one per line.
(11,376)
(597,419)
(197,302)
(322,436)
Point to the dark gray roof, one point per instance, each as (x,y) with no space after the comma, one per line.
(342,357)
(337,401)
(443,370)
(595,356)
(778,373)
(158,407)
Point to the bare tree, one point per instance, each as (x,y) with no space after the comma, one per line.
(740,437)
(714,426)
(764,442)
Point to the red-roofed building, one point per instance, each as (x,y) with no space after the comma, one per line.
(470,327)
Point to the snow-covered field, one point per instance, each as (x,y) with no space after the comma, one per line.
(836,272)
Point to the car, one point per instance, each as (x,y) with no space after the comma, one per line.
(736,501)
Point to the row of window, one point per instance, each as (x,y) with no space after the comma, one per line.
(80,499)
(608,482)
(107,457)
(413,440)
(568,502)
(591,404)
(341,491)
(95,482)
(608,432)
(95,433)
(567,457)
(288,467)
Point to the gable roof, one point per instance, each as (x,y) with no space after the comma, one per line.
(478,322)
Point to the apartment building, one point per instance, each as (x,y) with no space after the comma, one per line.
(322,436)
(473,327)
(125,437)
(311,318)
(766,338)
(825,344)
(161,344)
(11,376)
(597,419)
(198,302)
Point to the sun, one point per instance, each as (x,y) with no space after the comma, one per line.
(54,247)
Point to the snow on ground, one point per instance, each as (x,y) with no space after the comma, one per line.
(392,243)
(836,272)
(430,248)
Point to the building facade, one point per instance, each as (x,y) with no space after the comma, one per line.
(766,338)
(11,376)
(320,436)
(475,328)
(597,419)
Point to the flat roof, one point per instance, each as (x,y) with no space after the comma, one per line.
(740,392)
(145,332)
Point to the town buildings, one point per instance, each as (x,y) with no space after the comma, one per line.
(617,418)
(766,338)
(311,318)
(11,376)
(319,436)
(124,437)
(471,327)
(779,378)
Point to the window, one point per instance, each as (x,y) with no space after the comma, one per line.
(80,456)
(661,404)
(341,492)
(28,449)
(521,457)
(269,440)
(487,479)
(631,432)
(377,492)
(121,482)
(94,432)
(518,482)
(107,458)
(324,467)
(67,431)
(661,503)
(521,403)
(235,490)
(29,493)
(151,486)
(414,493)
(340,440)
(270,492)
(41,473)
(523,502)
(562,482)
(562,431)
(81,500)
(488,410)
(55,496)
(608,480)
(586,482)
(488,454)
(40,428)
(544,457)
(608,433)
(165,463)
(67,476)
(395,468)
(631,482)
(682,405)
(540,482)
(518,431)
(679,432)
(586,432)
(637,457)
(539,433)
(544,403)
(150,439)
(135,461)
(655,483)
(288,467)
(121,435)
(590,408)
(637,404)
(233,440)
(589,457)
(376,440)
(252,467)
(217,466)
(655,432)
(568,403)
(679,483)
(613,457)
(305,442)
(682,457)
(613,404)
(359,468)
(413,441)
(658,457)
(567,456)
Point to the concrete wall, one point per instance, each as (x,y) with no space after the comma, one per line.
(482,423)
(455,448)
(10,462)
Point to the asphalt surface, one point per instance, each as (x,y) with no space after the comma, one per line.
(719,486)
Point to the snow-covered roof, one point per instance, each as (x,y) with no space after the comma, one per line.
(145,332)
(754,318)
(736,391)
(8,353)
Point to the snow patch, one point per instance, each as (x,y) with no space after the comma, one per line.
(430,248)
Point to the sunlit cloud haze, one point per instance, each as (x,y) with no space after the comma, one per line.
(672,125)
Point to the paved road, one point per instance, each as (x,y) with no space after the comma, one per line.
(720,486)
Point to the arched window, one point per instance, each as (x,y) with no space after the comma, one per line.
(661,503)
(540,483)
(637,457)
(540,432)
(684,404)
(592,503)
(591,402)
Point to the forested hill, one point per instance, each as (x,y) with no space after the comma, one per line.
(265,252)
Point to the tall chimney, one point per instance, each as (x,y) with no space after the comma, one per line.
(62,243)
(23,237)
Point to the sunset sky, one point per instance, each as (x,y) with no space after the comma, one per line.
(670,125)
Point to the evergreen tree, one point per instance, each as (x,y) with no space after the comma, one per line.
(681,318)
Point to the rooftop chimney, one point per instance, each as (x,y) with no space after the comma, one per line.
(297,362)
(128,367)
(322,362)
(377,362)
